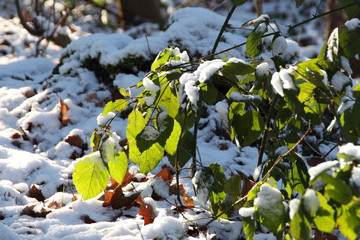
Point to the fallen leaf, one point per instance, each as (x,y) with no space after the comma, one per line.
(315,161)
(247,186)
(29,211)
(87,219)
(166,174)
(128,178)
(75,141)
(223,146)
(147,211)
(64,119)
(53,205)
(117,200)
(189,202)
(36,193)
(16,136)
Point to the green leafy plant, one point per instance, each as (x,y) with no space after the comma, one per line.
(262,103)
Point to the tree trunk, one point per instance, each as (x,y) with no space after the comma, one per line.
(134,12)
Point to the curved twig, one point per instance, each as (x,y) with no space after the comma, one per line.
(33,31)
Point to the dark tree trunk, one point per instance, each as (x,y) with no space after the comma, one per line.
(134,12)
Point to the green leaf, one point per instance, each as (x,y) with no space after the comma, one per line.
(233,187)
(136,123)
(300,227)
(348,220)
(238,2)
(219,177)
(253,192)
(352,11)
(299,177)
(90,176)
(239,68)
(95,140)
(204,181)
(118,105)
(118,166)
(254,43)
(185,149)
(171,145)
(324,219)
(209,93)
(169,99)
(150,158)
(248,227)
(114,157)
(269,208)
(349,42)
(350,123)
(247,127)
(337,190)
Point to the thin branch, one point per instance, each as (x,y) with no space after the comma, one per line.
(33,31)
(223,28)
(266,131)
(278,160)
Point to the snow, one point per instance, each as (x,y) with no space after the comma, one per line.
(333,45)
(315,171)
(247,212)
(265,68)
(311,201)
(346,65)
(102,120)
(267,197)
(339,80)
(352,24)
(355,177)
(164,228)
(150,85)
(351,150)
(293,206)
(279,46)
(277,84)
(238,97)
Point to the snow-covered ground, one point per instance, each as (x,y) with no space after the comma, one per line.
(38,150)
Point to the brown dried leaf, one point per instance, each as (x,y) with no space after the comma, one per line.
(64,118)
(315,161)
(223,146)
(247,186)
(54,205)
(128,179)
(36,193)
(75,141)
(15,136)
(189,202)
(173,189)
(166,174)
(87,219)
(117,200)
(147,211)
(29,211)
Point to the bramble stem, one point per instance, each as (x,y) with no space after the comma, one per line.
(223,28)
(266,131)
